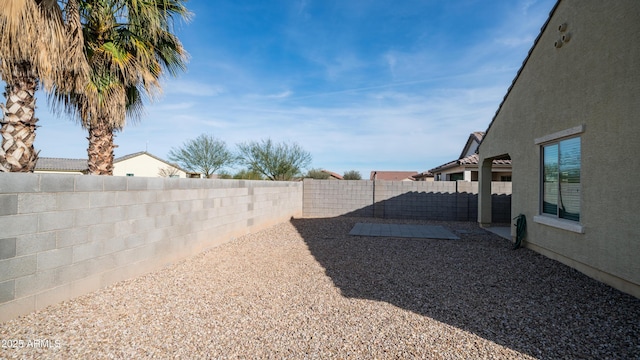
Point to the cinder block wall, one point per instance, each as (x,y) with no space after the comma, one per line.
(426,200)
(65,235)
(325,198)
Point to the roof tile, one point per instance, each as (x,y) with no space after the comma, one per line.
(469,160)
(61,164)
(392,175)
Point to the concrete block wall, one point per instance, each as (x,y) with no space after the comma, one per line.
(500,202)
(415,200)
(62,236)
(438,200)
(324,198)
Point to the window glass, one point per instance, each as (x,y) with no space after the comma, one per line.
(550,180)
(561,179)
(569,205)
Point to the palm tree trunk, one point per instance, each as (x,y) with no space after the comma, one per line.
(100,149)
(18,130)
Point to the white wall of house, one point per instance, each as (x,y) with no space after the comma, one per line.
(498,174)
(58,172)
(143,165)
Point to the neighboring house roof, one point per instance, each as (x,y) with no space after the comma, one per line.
(471,147)
(333,175)
(61,164)
(424,174)
(469,160)
(139,153)
(469,156)
(473,160)
(392,175)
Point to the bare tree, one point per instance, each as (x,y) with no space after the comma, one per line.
(169,171)
(276,161)
(204,154)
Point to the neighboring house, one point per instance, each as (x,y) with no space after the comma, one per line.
(466,166)
(570,123)
(137,164)
(147,165)
(332,175)
(61,166)
(471,147)
(424,176)
(393,175)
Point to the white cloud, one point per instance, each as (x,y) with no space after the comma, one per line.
(282,95)
(515,41)
(526,5)
(302,7)
(337,67)
(391,63)
(353,101)
(163,106)
(192,88)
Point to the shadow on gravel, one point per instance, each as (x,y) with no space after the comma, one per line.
(516,298)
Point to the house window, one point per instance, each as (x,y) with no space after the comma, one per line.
(129,174)
(561,179)
(174,176)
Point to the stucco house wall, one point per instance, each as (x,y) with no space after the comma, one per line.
(71,172)
(142,164)
(589,86)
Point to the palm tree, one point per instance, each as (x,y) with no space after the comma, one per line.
(40,41)
(129,46)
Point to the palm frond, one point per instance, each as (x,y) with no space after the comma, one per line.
(129,46)
(37,32)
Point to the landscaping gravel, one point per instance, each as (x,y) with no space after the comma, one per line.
(306,289)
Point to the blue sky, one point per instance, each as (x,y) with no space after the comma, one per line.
(360,84)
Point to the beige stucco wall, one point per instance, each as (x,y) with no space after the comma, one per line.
(592,80)
(142,165)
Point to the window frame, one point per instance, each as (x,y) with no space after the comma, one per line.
(550,219)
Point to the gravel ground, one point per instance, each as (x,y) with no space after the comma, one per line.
(305,289)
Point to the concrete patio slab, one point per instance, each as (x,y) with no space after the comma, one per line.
(404,231)
(504,232)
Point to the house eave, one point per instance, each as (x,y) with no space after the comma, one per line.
(524,63)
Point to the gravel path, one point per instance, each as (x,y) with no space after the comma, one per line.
(305,289)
